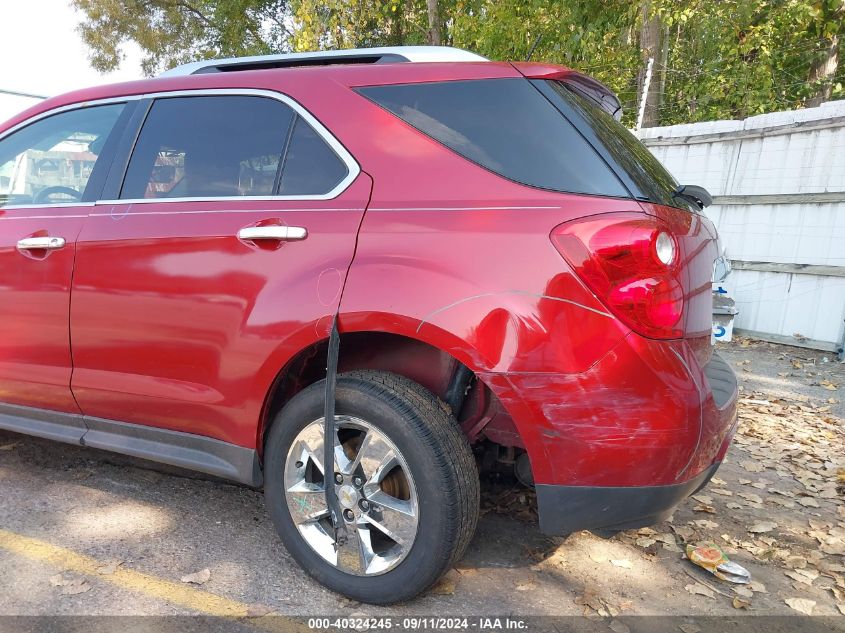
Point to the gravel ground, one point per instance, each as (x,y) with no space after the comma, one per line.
(776,507)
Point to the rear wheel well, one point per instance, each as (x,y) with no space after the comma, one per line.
(478,410)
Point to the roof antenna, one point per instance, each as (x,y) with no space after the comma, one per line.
(533,48)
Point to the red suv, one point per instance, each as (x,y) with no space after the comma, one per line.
(433,259)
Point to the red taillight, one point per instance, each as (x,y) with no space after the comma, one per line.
(632,263)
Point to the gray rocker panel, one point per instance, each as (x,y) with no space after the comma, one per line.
(186,450)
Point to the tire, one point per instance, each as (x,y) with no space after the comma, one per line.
(437,484)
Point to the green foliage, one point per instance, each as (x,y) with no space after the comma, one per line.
(171,32)
(723,58)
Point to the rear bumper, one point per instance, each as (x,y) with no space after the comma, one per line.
(567,509)
(621,444)
(564,509)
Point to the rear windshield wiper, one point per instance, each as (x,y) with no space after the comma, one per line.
(699,196)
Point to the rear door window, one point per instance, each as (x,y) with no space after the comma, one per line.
(209,147)
(310,166)
(506,126)
(229,146)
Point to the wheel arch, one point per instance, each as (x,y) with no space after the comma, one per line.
(413,355)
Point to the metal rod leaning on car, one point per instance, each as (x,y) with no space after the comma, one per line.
(332,504)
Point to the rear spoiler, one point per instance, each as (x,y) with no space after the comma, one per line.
(584,85)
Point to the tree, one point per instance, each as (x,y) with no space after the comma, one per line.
(714,59)
(171,32)
(652,47)
(433,23)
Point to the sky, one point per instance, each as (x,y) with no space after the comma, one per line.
(43,54)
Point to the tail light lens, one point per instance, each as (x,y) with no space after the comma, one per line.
(632,263)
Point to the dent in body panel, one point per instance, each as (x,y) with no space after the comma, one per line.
(633,418)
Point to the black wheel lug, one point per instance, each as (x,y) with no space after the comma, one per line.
(364,505)
(338,478)
(358,482)
(348,515)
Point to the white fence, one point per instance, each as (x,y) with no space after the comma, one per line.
(778,186)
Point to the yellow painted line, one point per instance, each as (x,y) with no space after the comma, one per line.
(172,592)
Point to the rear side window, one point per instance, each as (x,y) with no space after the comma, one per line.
(52,160)
(645,175)
(505,125)
(228,146)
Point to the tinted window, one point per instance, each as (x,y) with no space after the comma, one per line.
(208,147)
(649,179)
(311,166)
(51,160)
(505,125)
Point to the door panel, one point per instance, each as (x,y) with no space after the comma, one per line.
(51,169)
(35,362)
(179,324)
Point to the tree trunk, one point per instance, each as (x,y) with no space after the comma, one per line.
(433,23)
(651,36)
(822,73)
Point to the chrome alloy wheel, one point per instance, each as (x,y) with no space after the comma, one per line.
(375,491)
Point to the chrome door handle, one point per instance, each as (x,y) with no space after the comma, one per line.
(282,233)
(41,243)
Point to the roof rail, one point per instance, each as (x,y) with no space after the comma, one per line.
(381,55)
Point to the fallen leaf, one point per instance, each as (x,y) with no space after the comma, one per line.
(699,590)
(684,532)
(598,557)
(739,603)
(590,598)
(8,447)
(703,499)
(109,567)
(762,527)
(733,506)
(644,541)
(621,562)
(722,491)
(707,525)
(750,496)
(834,546)
(199,578)
(808,502)
(841,608)
(258,611)
(70,586)
(802,605)
(799,577)
(526,585)
(757,587)
(445,587)
(752,467)
(795,562)
(701,507)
